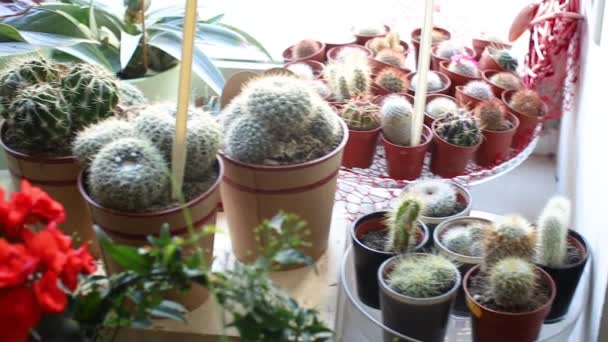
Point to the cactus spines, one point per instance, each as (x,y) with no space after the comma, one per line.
(446,49)
(553,225)
(402,224)
(512,237)
(129,174)
(439,197)
(360,81)
(360,114)
(248,141)
(438,36)
(130,95)
(93,138)
(305,48)
(302,70)
(390,41)
(23,73)
(391,57)
(348,52)
(461,130)
(492,115)
(440,106)
(391,80)
(464,240)
(397,120)
(464,66)
(505,59)
(423,275)
(479,90)
(512,283)
(369,30)
(506,80)
(320,88)
(433,81)
(349,78)
(527,102)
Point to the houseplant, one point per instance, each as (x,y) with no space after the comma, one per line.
(421,287)
(306,49)
(403,161)
(380,235)
(437,83)
(389,80)
(456,140)
(446,50)
(529,108)
(391,41)
(368,32)
(500,81)
(460,70)
(438,105)
(473,93)
(562,253)
(438,35)
(480,43)
(498,128)
(363,119)
(283,148)
(495,58)
(348,76)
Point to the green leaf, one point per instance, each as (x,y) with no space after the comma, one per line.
(93,22)
(292,257)
(250,39)
(206,34)
(92,54)
(47,21)
(215,19)
(127,257)
(11,34)
(170,310)
(128,45)
(158,14)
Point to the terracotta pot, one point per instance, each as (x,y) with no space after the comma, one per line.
(58,176)
(317,67)
(348,40)
(436,60)
(428,120)
(448,160)
(404,45)
(360,148)
(497,326)
(467,101)
(318,56)
(496,89)
(252,193)
(362,39)
(332,54)
(132,229)
(444,90)
(377,89)
(496,145)
(480,44)
(376,66)
(527,124)
(486,62)
(456,78)
(405,162)
(415,36)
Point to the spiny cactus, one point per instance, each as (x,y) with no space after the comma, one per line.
(305,48)
(423,275)
(23,73)
(391,57)
(553,225)
(325,125)
(93,138)
(433,81)
(369,30)
(390,41)
(447,48)
(506,80)
(360,114)
(128,174)
(504,58)
(464,66)
(320,88)
(492,115)
(513,283)
(439,197)
(440,106)
(461,130)
(302,70)
(464,240)
(130,95)
(349,78)
(479,90)
(513,237)
(527,102)
(348,52)
(249,141)
(391,80)
(402,224)
(397,120)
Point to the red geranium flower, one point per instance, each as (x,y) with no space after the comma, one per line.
(78,261)
(19,313)
(50,297)
(49,246)
(16,264)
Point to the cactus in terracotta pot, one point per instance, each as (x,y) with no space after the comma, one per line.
(93,138)
(492,115)
(479,90)
(361,114)
(506,80)
(433,81)
(349,78)
(305,48)
(464,240)
(302,70)
(553,225)
(390,41)
(512,283)
(440,106)
(512,237)
(402,224)
(391,57)
(130,95)
(463,66)
(447,48)
(527,102)
(397,120)
(391,80)
(26,72)
(439,197)
(461,130)
(422,276)
(504,58)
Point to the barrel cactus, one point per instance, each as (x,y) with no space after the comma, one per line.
(360,114)
(93,138)
(305,48)
(130,95)
(492,115)
(527,102)
(504,58)
(461,130)
(26,72)
(320,88)
(440,106)
(447,48)
(439,197)
(506,80)
(402,224)
(553,225)
(464,240)
(512,283)
(479,90)
(423,275)
(391,57)
(433,81)
(391,80)
(397,120)
(512,237)
(464,66)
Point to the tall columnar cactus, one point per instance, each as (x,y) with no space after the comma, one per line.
(26,72)
(492,115)
(527,102)
(391,80)
(360,114)
(129,174)
(446,49)
(512,283)
(402,224)
(433,81)
(397,120)
(464,66)
(506,80)
(439,197)
(391,57)
(479,90)
(305,48)
(93,138)
(349,78)
(130,95)
(440,106)
(513,237)
(302,70)
(504,58)
(553,225)
(423,276)
(461,130)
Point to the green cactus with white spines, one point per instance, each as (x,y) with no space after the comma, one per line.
(423,275)
(459,129)
(553,225)
(440,106)
(320,88)
(506,80)
(397,120)
(446,49)
(504,58)
(402,224)
(349,78)
(302,70)
(512,283)
(438,195)
(391,81)
(528,102)
(325,125)
(93,138)
(360,114)
(464,67)
(26,72)
(492,115)
(249,141)
(464,240)
(129,174)
(512,237)
(305,48)
(130,95)
(479,90)
(391,57)
(433,81)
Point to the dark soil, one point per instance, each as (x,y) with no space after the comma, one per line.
(574,255)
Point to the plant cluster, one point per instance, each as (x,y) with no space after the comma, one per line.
(459,129)
(361,114)
(423,275)
(396,113)
(492,115)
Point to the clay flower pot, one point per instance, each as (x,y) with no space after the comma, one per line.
(467,101)
(487,62)
(443,90)
(362,39)
(405,162)
(458,80)
(498,326)
(480,44)
(428,120)
(415,36)
(360,148)
(496,145)
(450,160)
(436,60)
(527,123)
(376,88)
(332,54)
(340,40)
(317,67)
(376,66)
(496,89)
(404,45)
(368,260)
(318,56)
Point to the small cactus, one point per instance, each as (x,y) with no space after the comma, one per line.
(461,130)
(93,138)
(402,224)
(437,36)
(23,73)
(492,115)
(346,53)
(130,95)
(439,197)
(553,225)
(433,81)
(305,48)
(513,237)
(320,88)
(423,275)
(349,78)
(391,57)
(360,114)
(397,120)
(513,283)
(390,41)
(440,106)
(527,102)
(369,30)
(464,240)
(506,80)
(391,80)
(504,58)
(479,90)
(248,141)
(464,66)
(446,49)
(302,70)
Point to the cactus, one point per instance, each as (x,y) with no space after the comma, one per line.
(325,125)
(348,52)
(553,225)
(504,58)
(506,80)
(464,240)
(391,80)
(93,138)
(302,70)
(513,237)
(23,73)
(446,49)
(461,130)
(129,174)
(527,102)
(397,120)
(391,57)
(130,95)
(433,81)
(370,30)
(423,275)
(360,114)
(439,197)
(492,115)
(349,78)
(479,90)
(249,141)
(438,36)
(402,225)
(320,88)
(305,48)
(440,106)
(390,41)
(512,283)
(464,66)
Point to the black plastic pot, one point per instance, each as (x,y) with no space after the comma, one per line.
(566,279)
(423,319)
(368,260)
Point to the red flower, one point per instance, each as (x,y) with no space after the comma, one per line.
(78,261)
(19,313)
(50,297)
(16,264)
(50,245)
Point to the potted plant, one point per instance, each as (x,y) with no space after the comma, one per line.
(495,58)
(388,51)
(438,35)
(498,128)
(305,50)
(343,52)
(403,161)
(562,253)
(474,92)
(389,80)
(368,32)
(480,43)
(283,147)
(444,51)
(437,83)
(438,105)
(380,235)
(529,108)
(507,295)
(363,119)
(460,70)
(460,239)
(306,69)
(456,139)
(501,81)
(338,38)
(349,76)
(416,295)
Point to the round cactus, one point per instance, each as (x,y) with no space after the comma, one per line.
(437,36)
(93,138)
(439,197)
(23,73)
(492,115)
(378,44)
(305,48)
(248,141)
(506,80)
(423,275)
(130,95)
(440,106)
(553,225)
(349,53)
(464,67)
(513,283)
(394,41)
(391,81)
(513,237)
(234,110)
(504,58)
(325,125)
(433,81)
(360,114)
(129,174)
(303,71)
(461,130)
(458,240)
(527,102)
(402,224)
(397,120)
(479,90)
(391,57)
(369,30)
(320,88)
(446,49)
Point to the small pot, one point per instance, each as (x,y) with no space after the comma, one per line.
(428,120)
(424,319)
(464,262)
(318,56)
(377,89)
(362,39)
(416,39)
(376,66)
(436,60)
(480,44)
(317,67)
(405,162)
(349,39)
(467,101)
(487,62)
(527,124)
(496,89)
(450,160)
(332,54)
(360,148)
(368,260)
(458,80)
(498,326)
(496,145)
(444,90)
(567,278)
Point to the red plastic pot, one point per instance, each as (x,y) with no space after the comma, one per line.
(497,326)
(449,160)
(496,89)
(362,39)
(360,148)
(495,145)
(317,67)
(456,78)
(318,56)
(405,162)
(527,124)
(444,90)
(332,54)
(436,60)
(379,90)
(428,120)
(479,44)
(466,101)
(416,38)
